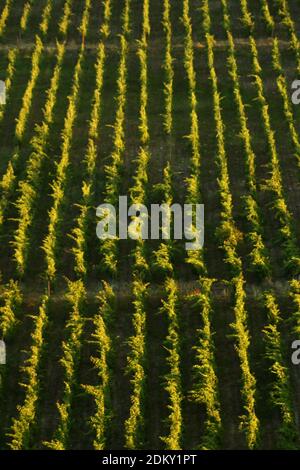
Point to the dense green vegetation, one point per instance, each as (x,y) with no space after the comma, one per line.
(139,344)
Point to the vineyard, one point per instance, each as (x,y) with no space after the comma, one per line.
(142,344)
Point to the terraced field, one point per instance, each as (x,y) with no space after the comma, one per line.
(115,344)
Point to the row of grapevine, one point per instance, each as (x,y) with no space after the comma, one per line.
(5,15)
(259,262)
(168,69)
(246,19)
(101,392)
(50,243)
(194,257)
(29,187)
(162,261)
(280,394)
(134,424)
(82,221)
(109,247)
(71,349)
(162,256)
(11,300)
(274,183)
(142,54)
(46,16)
(206,386)
(84,25)
(21,429)
(173,387)
(28,95)
(65,20)
(294,295)
(10,74)
(267,17)
(25,15)
(249,421)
